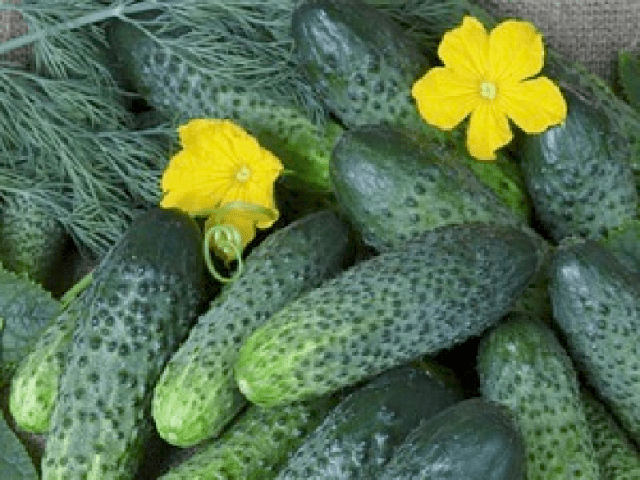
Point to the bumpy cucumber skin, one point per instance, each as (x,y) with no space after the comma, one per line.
(145,296)
(360,63)
(361,434)
(256,444)
(522,366)
(171,86)
(472,440)
(34,386)
(596,303)
(26,309)
(433,293)
(578,176)
(394,187)
(196,394)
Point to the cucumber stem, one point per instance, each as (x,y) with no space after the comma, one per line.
(76,290)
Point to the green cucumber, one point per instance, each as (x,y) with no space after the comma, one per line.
(472,440)
(169,84)
(26,309)
(624,243)
(361,434)
(256,444)
(360,62)
(394,186)
(435,292)
(196,394)
(143,298)
(596,304)
(522,366)
(617,457)
(579,176)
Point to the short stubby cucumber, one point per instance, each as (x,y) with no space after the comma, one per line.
(394,186)
(596,304)
(169,84)
(361,434)
(618,457)
(360,63)
(579,176)
(27,309)
(472,440)
(435,292)
(522,366)
(34,386)
(196,394)
(147,292)
(256,444)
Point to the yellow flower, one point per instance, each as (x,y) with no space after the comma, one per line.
(489,77)
(219,163)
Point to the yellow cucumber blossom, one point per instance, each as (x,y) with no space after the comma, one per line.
(489,77)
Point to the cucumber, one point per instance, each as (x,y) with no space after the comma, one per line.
(522,366)
(361,434)
(472,440)
(596,304)
(171,85)
(143,298)
(26,309)
(196,394)
(34,385)
(394,186)
(360,62)
(617,457)
(578,175)
(624,243)
(256,444)
(435,292)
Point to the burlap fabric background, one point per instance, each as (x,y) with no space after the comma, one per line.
(589,31)
(11,25)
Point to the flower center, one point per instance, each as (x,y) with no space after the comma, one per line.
(243,174)
(488,90)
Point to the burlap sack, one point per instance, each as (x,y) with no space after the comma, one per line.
(588,31)
(12,25)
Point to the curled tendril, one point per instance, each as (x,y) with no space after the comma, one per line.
(227,238)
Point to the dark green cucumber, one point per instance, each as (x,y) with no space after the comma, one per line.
(579,176)
(617,457)
(471,440)
(624,243)
(360,63)
(143,298)
(394,186)
(522,366)
(196,395)
(26,309)
(171,85)
(596,303)
(361,434)
(256,444)
(435,292)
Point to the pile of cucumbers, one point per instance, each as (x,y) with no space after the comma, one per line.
(426,317)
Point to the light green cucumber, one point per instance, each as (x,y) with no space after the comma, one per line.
(256,444)
(170,84)
(196,395)
(143,298)
(618,458)
(26,309)
(596,304)
(431,294)
(394,186)
(522,366)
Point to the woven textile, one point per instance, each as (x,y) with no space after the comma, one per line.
(591,32)
(12,25)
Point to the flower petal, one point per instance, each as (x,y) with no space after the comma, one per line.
(534,105)
(488,131)
(465,49)
(443,98)
(516,51)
